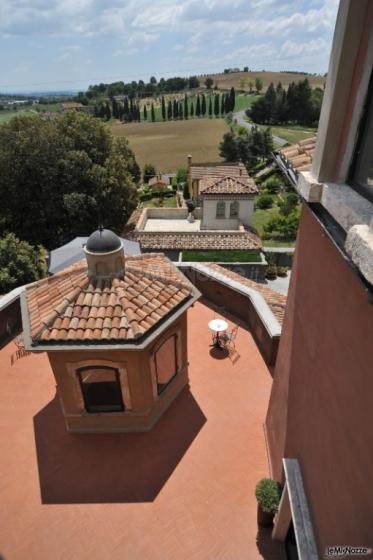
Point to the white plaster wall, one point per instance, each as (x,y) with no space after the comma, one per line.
(210,221)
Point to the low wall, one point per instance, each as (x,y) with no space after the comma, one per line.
(245,303)
(10,321)
(280,257)
(165,213)
(253,271)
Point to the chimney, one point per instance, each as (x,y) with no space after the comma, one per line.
(104,254)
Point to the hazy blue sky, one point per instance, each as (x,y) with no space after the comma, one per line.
(68,44)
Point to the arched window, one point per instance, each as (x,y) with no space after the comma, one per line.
(220,209)
(101,389)
(234,209)
(166,366)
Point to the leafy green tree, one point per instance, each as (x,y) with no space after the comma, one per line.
(152,113)
(186,193)
(182,175)
(20,263)
(69,172)
(209,82)
(216,104)
(107,112)
(163,109)
(193,82)
(273,185)
(289,204)
(258,85)
(149,172)
(228,148)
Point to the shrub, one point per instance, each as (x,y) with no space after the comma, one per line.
(268,494)
(282,271)
(273,185)
(288,205)
(264,201)
(271,272)
(282,227)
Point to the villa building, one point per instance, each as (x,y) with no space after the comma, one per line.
(114,329)
(319,423)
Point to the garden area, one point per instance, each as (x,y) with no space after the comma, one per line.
(221,256)
(277,210)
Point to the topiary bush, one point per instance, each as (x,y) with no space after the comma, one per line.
(268,494)
(264,201)
(273,185)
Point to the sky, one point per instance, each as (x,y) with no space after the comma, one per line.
(69,44)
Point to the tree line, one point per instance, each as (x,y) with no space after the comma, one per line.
(139,89)
(298,104)
(201,105)
(248,146)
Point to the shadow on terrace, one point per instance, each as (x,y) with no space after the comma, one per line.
(112,468)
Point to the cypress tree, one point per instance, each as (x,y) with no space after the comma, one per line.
(96,111)
(145,113)
(216,104)
(169,110)
(152,113)
(222,106)
(198,107)
(130,116)
(232,99)
(175,110)
(203,106)
(107,112)
(126,110)
(210,106)
(185,106)
(163,109)
(192,109)
(227,104)
(181,116)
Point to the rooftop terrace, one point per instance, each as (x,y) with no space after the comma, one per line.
(184,490)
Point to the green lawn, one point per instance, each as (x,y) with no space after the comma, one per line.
(169,202)
(244,101)
(262,217)
(221,256)
(274,243)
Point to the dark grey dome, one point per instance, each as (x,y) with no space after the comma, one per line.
(103,241)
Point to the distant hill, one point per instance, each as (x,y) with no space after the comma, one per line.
(235,79)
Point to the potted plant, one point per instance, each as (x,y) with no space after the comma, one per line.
(271,272)
(268,494)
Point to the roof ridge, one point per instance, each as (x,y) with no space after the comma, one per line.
(151,275)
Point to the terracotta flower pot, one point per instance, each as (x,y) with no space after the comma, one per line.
(265,519)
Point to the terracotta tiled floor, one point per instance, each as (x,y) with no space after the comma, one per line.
(183,491)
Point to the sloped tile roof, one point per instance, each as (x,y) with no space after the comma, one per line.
(300,155)
(275,301)
(220,169)
(70,307)
(199,240)
(231,185)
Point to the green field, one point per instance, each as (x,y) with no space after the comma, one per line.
(221,256)
(167,144)
(5,116)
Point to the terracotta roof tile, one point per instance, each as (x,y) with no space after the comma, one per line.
(230,185)
(69,307)
(275,301)
(300,155)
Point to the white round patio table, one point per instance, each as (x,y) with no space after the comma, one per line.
(218,326)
